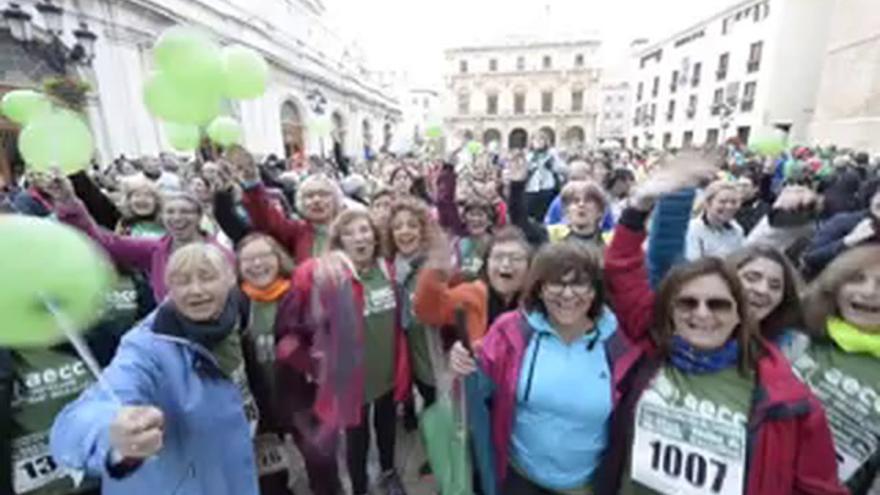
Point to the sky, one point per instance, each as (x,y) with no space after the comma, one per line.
(412,34)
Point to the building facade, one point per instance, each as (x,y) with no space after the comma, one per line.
(848,103)
(614,111)
(750,71)
(509,92)
(314,74)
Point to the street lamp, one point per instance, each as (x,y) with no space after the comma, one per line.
(54,52)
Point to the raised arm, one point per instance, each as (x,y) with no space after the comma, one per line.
(517,175)
(100,207)
(667,233)
(626,276)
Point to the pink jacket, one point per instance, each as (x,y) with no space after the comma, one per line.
(147,255)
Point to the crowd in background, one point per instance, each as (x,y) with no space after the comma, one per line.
(627,322)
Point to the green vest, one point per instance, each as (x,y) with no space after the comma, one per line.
(690,434)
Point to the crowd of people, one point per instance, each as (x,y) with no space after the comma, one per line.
(632,322)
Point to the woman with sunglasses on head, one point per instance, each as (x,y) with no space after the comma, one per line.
(551,366)
(706,405)
(841,362)
(341,330)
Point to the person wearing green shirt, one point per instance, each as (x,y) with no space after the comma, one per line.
(141,205)
(841,361)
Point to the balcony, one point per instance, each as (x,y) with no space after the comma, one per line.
(753,66)
(721,74)
(747,105)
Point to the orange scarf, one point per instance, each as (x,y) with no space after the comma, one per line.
(268,294)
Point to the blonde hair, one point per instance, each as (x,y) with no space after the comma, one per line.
(318,181)
(195,255)
(286,265)
(820,301)
(712,190)
(588,188)
(139,183)
(344,219)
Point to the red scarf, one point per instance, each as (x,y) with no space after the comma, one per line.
(271,293)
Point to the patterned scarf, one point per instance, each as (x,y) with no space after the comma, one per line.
(851,339)
(691,360)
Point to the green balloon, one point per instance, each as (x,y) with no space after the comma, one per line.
(225,131)
(57,139)
(170,102)
(768,146)
(475,147)
(245,73)
(23,105)
(48,260)
(434,132)
(190,59)
(182,137)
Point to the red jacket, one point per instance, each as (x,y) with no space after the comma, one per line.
(297,236)
(296,331)
(790,447)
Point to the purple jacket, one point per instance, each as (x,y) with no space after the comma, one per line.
(501,355)
(147,255)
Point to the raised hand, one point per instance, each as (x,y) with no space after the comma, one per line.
(685,170)
(59,187)
(137,432)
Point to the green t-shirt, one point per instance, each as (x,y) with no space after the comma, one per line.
(848,385)
(122,302)
(45,381)
(416,336)
(230,359)
(690,434)
(261,335)
(379,358)
(149,230)
(319,242)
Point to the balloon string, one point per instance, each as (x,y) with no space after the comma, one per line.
(81,347)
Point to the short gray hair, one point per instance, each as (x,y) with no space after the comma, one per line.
(198,254)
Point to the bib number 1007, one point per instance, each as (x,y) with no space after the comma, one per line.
(695,468)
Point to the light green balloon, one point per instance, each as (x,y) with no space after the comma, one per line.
(57,139)
(475,147)
(768,146)
(182,137)
(47,259)
(245,73)
(225,131)
(168,101)
(434,132)
(22,105)
(190,59)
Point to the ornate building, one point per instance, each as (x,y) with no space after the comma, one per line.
(508,92)
(315,74)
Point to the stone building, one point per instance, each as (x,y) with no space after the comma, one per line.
(509,91)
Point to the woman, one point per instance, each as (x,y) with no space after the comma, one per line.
(841,363)
(318,200)
(715,232)
(141,206)
(551,366)
(180,217)
(700,370)
(173,412)
(342,330)
(496,291)
(265,269)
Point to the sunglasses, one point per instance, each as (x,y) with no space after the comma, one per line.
(713,304)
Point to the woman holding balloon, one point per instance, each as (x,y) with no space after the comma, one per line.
(173,412)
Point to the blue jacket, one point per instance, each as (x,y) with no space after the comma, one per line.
(667,234)
(207,445)
(827,242)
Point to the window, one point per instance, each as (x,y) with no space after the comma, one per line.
(462,66)
(757,12)
(723,60)
(695,78)
(687,139)
(547,101)
(492,104)
(547,62)
(653,112)
(618,115)
(673,84)
(692,107)
(639,90)
(577,100)
(755,57)
(656,88)
(519,103)
(712,137)
(638,116)
(520,63)
(606,116)
(464,104)
(725,26)
(748,101)
(578,60)
(670,111)
(493,65)
(717,100)
(667,140)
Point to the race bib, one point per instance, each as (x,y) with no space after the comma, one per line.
(34,468)
(271,454)
(677,451)
(379,301)
(251,412)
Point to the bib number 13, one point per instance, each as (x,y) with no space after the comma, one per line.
(694,467)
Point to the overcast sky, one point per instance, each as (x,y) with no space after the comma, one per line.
(412,34)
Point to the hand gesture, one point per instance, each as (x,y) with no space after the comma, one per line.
(517,169)
(332,269)
(460,360)
(440,253)
(686,170)
(137,432)
(796,197)
(218,176)
(863,231)
(59,187)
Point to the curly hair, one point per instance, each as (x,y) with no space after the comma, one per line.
(428,227)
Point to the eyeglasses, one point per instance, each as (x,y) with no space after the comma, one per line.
(513,259)
(557,289)
(713,304)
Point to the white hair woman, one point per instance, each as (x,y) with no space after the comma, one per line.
(141,207)
(175,394)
